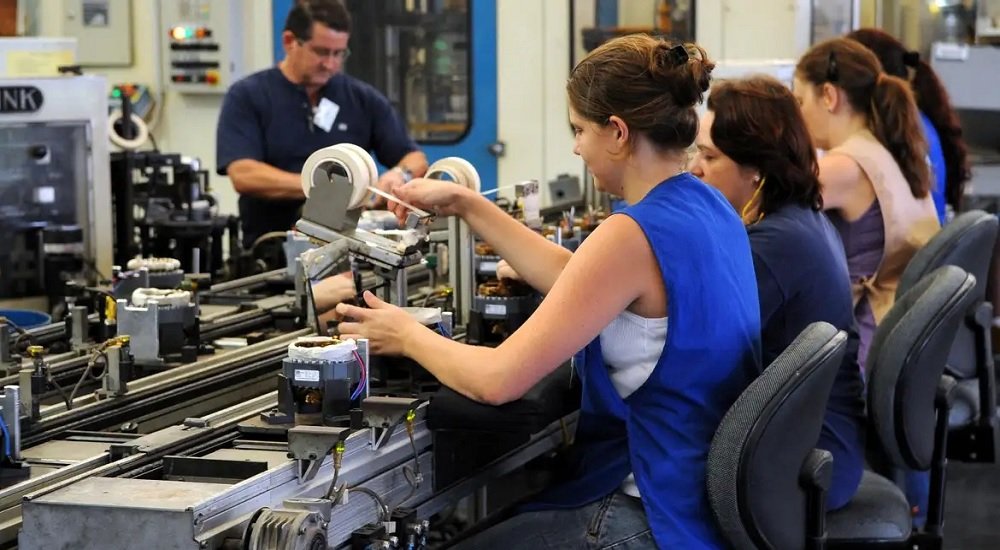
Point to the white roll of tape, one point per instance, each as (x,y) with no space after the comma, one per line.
(321,348)
(154,264)
(458,169)
(427,316)
(167,298)
(359,165)
(128,144)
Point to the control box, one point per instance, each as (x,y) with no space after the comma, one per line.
(202,44)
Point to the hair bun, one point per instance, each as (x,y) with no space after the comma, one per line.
(678,54)
(683,69)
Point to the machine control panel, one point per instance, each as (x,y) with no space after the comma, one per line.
(202,44)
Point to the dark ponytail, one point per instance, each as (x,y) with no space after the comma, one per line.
(934,102)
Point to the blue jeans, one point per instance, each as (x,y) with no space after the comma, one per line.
(617,522)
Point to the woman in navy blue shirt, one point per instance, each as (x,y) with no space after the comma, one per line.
(754,147)
(947,151)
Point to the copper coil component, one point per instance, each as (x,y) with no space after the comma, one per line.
(503,288)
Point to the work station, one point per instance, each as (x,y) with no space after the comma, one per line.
(493,274)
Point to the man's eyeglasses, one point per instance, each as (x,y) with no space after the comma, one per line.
(323,53)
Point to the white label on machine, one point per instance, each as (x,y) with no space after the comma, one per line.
(532,209)
(45,195)
(304,375)
(488,267)
(496,309)
(951,52)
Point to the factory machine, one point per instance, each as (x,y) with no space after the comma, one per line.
(277,434)
(53,182)
(500,306)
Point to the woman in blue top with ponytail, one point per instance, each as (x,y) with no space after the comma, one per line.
(653,394)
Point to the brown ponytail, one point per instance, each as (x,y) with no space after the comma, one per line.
(932,100)
(885,100)
(894,120)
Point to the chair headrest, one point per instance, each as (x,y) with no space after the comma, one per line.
(967,242)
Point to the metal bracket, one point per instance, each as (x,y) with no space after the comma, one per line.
(321,506)
(6,350)
(327,260)
(79,327)
(143,326)
(128,281)
(29,401)
(383,414)
(115,381)
(309,445)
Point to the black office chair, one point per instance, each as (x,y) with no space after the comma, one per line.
(908,403)
(763,475)
(967,242)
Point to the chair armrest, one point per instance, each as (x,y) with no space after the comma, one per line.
(817,470)
(982,321)
(815,477)
(945,394)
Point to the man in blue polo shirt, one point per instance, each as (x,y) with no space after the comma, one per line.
(272,120)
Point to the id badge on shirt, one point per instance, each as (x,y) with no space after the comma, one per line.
(325,114)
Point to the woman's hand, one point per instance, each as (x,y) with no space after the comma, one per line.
(443,198)
(387,327)
(505,271)
(333,290)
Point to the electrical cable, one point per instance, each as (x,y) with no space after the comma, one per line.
(338,458)
(383,510)
(412,475)
(61,391)
(362,379)
(98,353)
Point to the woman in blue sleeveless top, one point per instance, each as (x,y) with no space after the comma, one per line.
(754,147)
(653,395)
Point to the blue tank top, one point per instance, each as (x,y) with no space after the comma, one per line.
(662,432)
(938,169)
